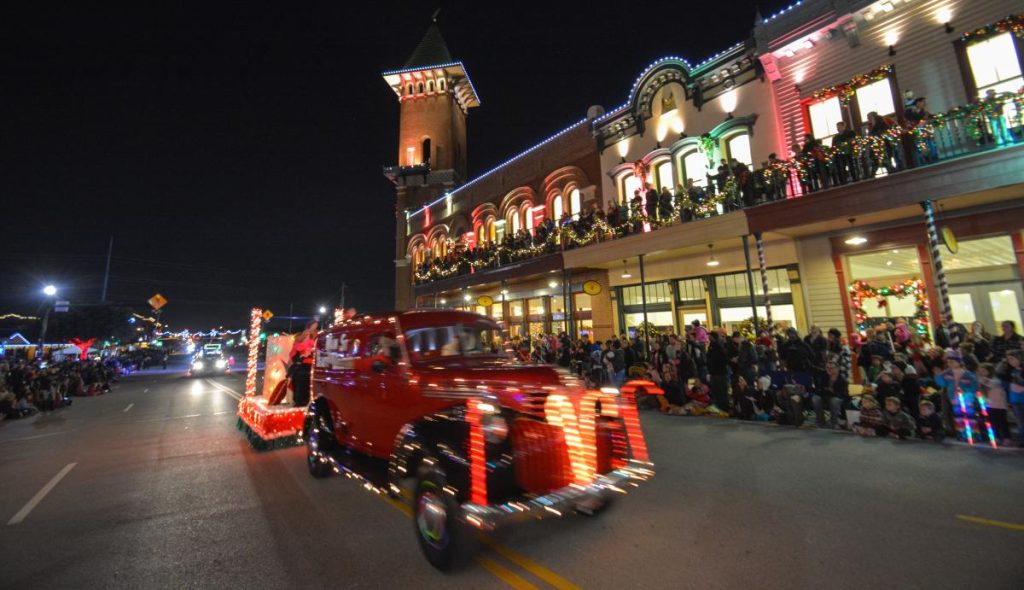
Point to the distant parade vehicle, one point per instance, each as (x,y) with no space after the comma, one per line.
(209,360)
(427,398)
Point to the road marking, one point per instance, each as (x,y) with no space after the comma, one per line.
(128,407)
(146,390)
(27,508)
(996,523)
(504,574)
(226,390)
(174,418)
(35,436)
(531,566)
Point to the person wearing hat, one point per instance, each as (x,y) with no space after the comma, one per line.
(870,417)
(895,422)
(959,386)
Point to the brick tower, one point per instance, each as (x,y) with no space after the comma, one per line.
(434,94)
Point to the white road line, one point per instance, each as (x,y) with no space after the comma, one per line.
(128,407)
(226,390)
(27,508)
(174,418)
(35,437)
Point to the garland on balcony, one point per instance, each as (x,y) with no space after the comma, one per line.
(861,291)
(1011,24)
(846,90)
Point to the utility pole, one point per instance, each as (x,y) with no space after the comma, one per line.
(106,273)
(343,297)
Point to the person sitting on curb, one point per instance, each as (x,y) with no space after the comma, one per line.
(929,423)
(870,417)
(895,422)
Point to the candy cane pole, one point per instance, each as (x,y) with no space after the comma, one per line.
(963,415)
(255,321)
(988,422)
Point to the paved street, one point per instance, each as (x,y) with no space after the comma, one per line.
(164,492)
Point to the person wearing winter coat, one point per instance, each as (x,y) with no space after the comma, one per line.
(895,422)
(718,369)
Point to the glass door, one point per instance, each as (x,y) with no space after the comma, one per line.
(990,304)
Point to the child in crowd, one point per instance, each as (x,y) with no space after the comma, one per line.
(895,422)
(699,398)
(929,423)
(876,369)
(994,396)
(870,416)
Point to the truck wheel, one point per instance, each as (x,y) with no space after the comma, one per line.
(318,466)
(446,540)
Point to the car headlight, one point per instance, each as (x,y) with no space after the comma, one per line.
(221,363)
(198,365)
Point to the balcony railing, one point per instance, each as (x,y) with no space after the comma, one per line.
(985,125)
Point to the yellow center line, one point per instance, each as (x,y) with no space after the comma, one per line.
(511,578)
(531,566)
(996,523)
(504,574)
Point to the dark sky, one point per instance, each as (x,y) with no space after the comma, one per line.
(234,151)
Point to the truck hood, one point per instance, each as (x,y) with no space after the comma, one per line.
(514,384)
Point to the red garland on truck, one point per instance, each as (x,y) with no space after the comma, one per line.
(426,397)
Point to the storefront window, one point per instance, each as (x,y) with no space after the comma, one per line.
(897,262)
(691,289)
(994,251)
(656,293)
(661,319)
(733,317)
(695,167)
(1005,306)
(627,185)
(665,177)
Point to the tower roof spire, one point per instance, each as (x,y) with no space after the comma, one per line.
(432,50)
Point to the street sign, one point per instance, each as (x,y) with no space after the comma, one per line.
(157,301)
(267,315)
(61,306)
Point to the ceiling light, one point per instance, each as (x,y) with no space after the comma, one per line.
(711,260)
(552,284)
(856,239)
(467,297)
(625,270)
(443,301)
(887,6)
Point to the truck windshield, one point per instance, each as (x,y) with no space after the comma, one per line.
(458,340)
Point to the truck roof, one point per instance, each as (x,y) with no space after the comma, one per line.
(415,318)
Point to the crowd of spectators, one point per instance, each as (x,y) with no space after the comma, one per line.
(884,145)
(27,387)
(890,382)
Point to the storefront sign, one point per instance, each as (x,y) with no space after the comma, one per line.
(592,288)
(949,239)
(484,301)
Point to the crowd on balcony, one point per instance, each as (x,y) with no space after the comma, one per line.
(889,382)
(886,146)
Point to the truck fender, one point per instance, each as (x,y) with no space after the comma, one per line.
(435,442)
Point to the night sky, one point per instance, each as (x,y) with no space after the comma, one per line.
(235,151)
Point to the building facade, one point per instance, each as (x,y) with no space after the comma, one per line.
(776,211)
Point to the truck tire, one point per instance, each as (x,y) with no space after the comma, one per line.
(317,446)
(445,538)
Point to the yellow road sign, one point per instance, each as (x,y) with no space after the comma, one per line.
(267,315)
(157,301)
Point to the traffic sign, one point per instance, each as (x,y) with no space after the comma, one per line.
(267,314)
(157,301)
(61,306)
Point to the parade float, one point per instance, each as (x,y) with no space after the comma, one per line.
(265,413)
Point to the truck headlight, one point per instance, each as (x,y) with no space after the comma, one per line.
(221,363)
(197,366)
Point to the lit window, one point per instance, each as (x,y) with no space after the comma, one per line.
(994,64)
(574,203)
(556,207)
(515,222)
(628,185)
(695,167)
(876,97)
(528,218)
(739,148)
(824,116)
(665,176)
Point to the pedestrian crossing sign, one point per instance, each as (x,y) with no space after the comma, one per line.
(267,315)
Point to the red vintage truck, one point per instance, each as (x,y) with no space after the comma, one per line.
(426,398)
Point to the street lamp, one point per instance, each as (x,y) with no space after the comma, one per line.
(323,309)
(50,291)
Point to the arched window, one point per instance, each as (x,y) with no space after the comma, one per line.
(665,175)
(556,208)
(430,85)
(515,222)
(738,146)
(695,167)
(492,235)
(627,184)
(481,235)
(425,151)
(528,218)
(440,85)
(419,88)
(408,89)
(574,203)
